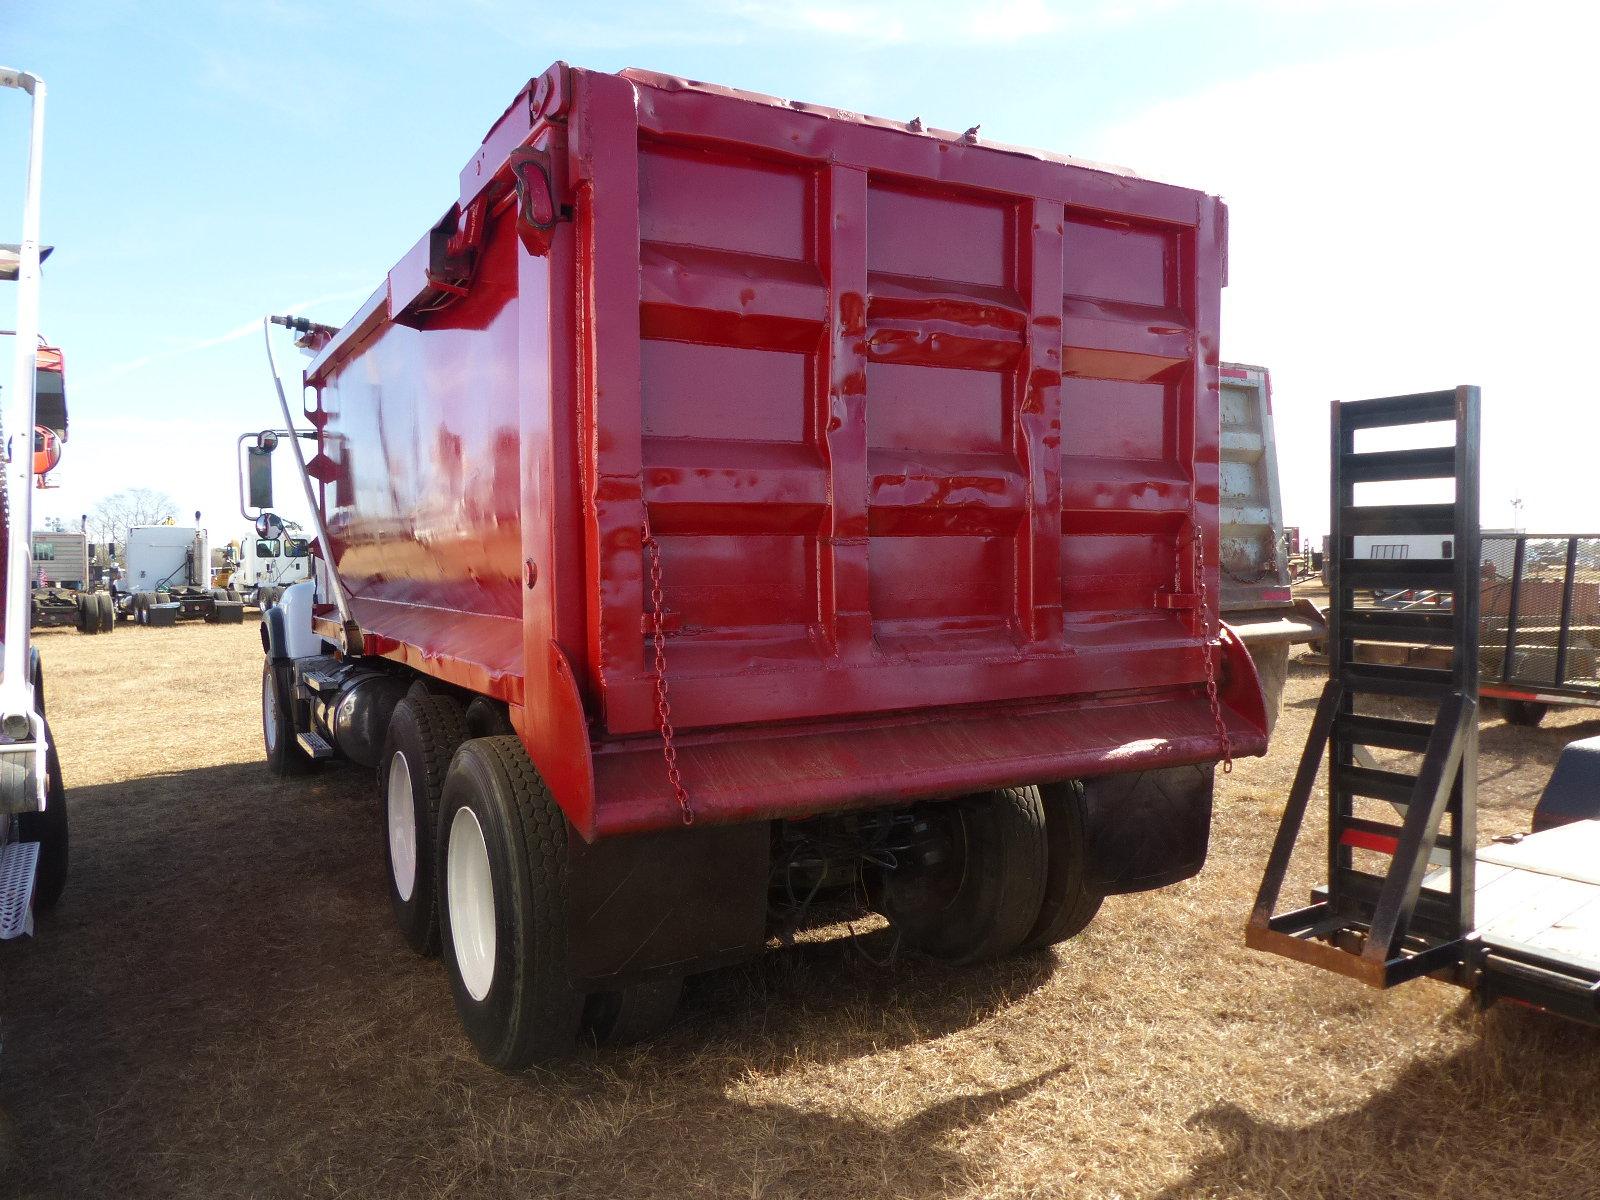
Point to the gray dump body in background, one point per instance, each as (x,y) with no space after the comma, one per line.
(1256,600)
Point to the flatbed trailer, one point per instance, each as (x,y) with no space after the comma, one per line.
(1518,919)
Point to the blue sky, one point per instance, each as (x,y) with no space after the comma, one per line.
(1412,186)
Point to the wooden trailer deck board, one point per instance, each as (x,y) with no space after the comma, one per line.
(1541,894)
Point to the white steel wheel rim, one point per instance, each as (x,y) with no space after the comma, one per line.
(269,710)
(402,827)
(469,893)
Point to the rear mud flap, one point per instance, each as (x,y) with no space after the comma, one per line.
(1147,830)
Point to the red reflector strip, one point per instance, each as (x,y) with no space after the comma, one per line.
(1362,840)
(1277,594)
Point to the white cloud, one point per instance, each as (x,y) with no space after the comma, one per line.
(1408,220)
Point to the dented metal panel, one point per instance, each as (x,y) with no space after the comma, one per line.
(922,427)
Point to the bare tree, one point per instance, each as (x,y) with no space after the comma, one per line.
(114,515)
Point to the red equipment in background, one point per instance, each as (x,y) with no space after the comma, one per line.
(50,412)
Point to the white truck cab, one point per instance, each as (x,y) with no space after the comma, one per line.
(268,565)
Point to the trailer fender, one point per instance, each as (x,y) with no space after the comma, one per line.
(286,627)
(1573,793)
(1148,829)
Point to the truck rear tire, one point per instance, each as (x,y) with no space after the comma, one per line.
(503,906)
(284,755)
(88,614)
(424,733)
(981,900)
(632,1014)
(108,611)
(1526,713)
(1069,903)
(49,828)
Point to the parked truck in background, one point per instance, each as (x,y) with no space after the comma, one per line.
(266,566)
(166,577)
(1256,597)
(733,507)
(63,592)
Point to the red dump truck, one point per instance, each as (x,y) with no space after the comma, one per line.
(733,505)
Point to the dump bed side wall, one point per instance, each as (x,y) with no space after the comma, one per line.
(916,422)
(423,481)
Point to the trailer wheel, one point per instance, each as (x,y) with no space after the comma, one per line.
(424,732)
(49,829)
(1069,903)
(1526,713)
(632,1014)
(503,856)
(107,610)
(979,897)
(284,755)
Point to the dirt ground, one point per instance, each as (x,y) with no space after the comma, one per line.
(221,1007)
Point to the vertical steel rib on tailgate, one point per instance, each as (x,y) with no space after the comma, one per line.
(920,424)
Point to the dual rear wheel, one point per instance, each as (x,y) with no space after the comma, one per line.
(1006,872)
(477,854)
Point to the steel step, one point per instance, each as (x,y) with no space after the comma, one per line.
(1375,784)
(313,744)
(1404,626)
(1397,518)
(1417,683)
(1417,409)
(1386,733)
(1390,466)
(1398,574)
(19,864)
(325,676)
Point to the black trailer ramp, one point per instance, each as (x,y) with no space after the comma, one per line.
(1515,921)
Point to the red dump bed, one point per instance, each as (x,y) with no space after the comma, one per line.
(924,426)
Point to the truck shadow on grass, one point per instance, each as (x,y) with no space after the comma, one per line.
(1512,1114)
(221,1006)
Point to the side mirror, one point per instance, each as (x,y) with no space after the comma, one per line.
(259,470)
(269,526)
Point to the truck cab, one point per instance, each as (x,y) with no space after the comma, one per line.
(268,565)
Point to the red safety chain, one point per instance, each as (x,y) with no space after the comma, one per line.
(1210,658)
(658,635)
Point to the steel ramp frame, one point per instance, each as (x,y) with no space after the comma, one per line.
(1385,929)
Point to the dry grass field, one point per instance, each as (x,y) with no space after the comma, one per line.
(220,1007)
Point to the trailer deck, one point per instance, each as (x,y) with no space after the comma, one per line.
(1540,894)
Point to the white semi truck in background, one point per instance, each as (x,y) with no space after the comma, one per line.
(268,565)
(166,577)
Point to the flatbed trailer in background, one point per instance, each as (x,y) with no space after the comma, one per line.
(1420,897)
(733,505)
(1540,623)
